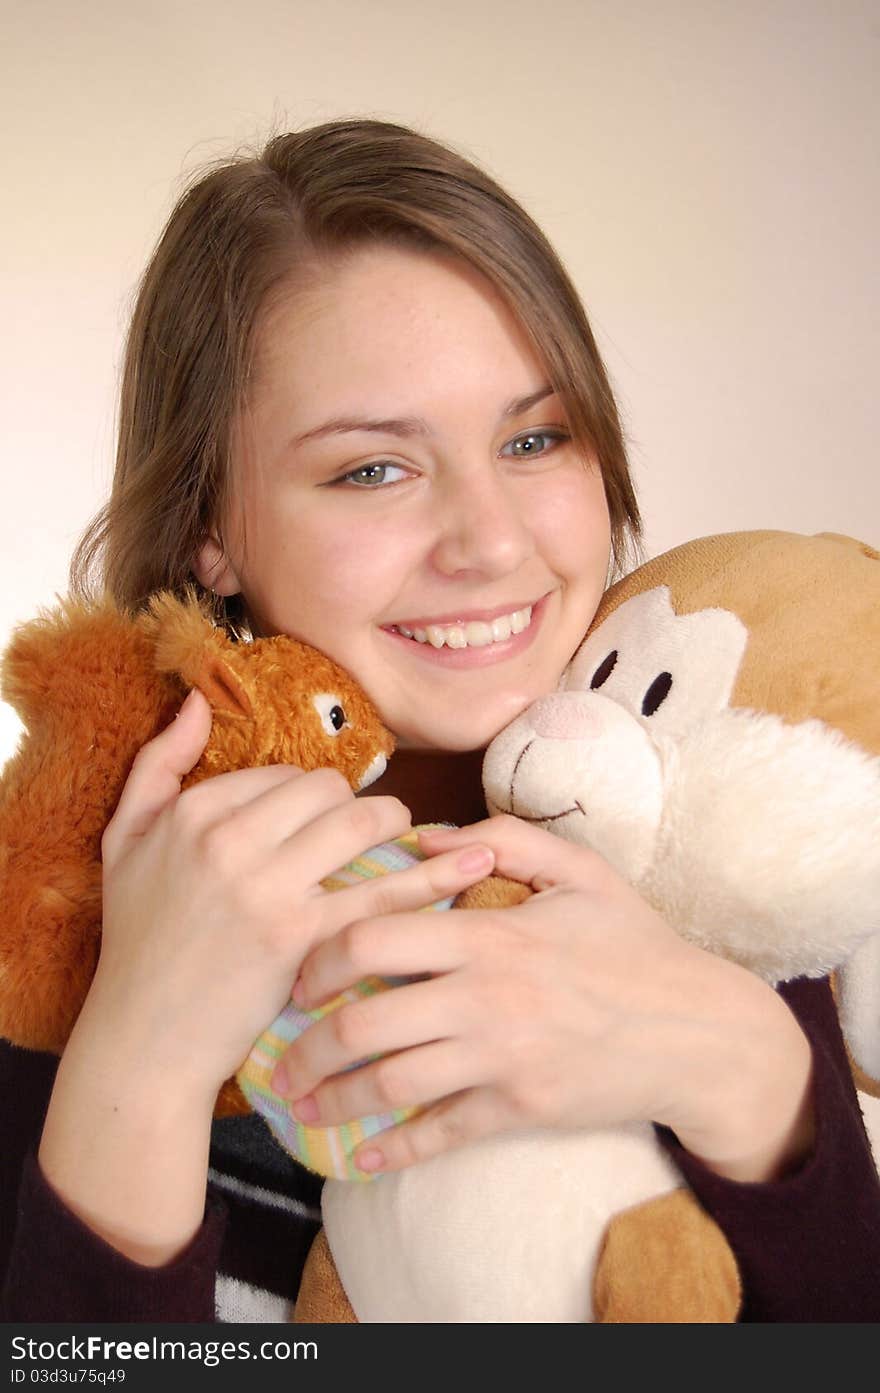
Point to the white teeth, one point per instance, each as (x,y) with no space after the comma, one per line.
(476,634)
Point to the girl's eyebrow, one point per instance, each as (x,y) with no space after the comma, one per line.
(410,425)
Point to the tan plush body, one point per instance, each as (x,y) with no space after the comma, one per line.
(91,686)
(727,761)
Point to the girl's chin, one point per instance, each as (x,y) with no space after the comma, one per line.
(456,738)
(438,746)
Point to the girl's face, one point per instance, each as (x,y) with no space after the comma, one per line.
(408,498)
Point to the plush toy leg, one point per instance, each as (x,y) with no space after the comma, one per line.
(322,1299)
(666,1261)
(662,1262)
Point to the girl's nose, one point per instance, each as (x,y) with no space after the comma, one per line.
(482,528)
(565,716)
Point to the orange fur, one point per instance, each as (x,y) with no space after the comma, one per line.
(91,685)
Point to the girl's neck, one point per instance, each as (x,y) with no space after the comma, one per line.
(435,785)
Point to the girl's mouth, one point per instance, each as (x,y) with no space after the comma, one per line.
(475,633)
(473,642)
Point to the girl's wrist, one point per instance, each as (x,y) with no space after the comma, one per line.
(134,1044)
(123,1057)
(746,1109)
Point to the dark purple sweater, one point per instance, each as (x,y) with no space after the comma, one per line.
(808,1246)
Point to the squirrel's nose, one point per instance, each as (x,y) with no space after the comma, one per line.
(374,770)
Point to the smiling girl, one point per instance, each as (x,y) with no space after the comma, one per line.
(362,406)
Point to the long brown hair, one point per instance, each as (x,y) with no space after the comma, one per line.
(236,234)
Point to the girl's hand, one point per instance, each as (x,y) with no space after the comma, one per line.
(580,1007)
(212,897)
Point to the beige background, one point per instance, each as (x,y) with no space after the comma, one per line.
(707,171)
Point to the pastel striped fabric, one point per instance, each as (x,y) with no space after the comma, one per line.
(327,1150)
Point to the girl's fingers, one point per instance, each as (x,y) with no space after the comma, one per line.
(358,940)
(158,770)
(264,806)
(523,852)
(160,766)
(338,835)
(217,798)
(404,944)
(391,1020)
(463,1117)
(405,1079)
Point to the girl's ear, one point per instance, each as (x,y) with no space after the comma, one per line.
(212,568)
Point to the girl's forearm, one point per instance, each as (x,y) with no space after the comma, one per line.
(125,1146)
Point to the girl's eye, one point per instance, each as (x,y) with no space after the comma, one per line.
(534,442)
(382,472)
(372,475)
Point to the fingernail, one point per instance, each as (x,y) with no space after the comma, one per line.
(439,829)
(370,1160)
(476,858)
(306,1109)
(185,703)
(279,1081)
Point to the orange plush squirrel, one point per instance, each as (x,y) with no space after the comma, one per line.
(92,685)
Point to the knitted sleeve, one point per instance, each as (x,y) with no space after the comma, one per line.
(52,1266)
(262,1212)
(60,1270)
(808,1246)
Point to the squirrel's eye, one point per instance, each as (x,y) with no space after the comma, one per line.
(331,712)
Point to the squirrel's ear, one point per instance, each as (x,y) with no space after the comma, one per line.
(187,642)
(221,684)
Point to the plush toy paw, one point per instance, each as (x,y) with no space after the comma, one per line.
(664,1262)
